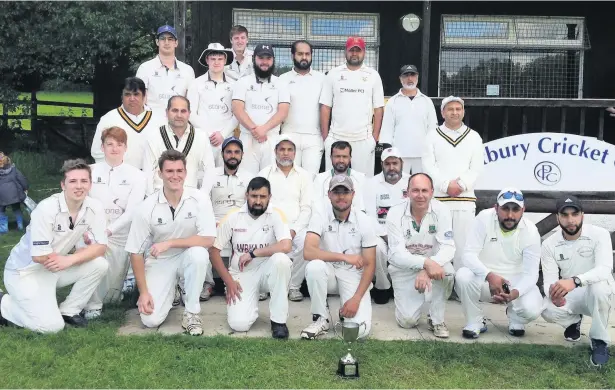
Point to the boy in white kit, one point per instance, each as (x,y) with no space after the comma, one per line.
(500,259)
(180,223)
(340,248)
(46,259)
(582,254)
(121,188)
(421,248)
(260,240)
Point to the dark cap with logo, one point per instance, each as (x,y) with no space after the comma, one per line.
(231,140)
(568,201)
(264,50)
(408,69)
(166,29)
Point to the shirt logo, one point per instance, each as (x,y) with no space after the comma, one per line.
(123,183)
(160,222)
(189,216)
(342,78)
(266,228)
(448,234)
(384,196)
(408,233)
(364,78)
(330,229)
(156,73)
(40,242)
(432,229)
(240,230)
(251,87)
(98,180)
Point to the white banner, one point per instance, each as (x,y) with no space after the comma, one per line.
(548,162)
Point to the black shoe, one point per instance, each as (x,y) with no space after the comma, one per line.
(279,331)
(3,321)
(600,353)
(76,321)
(381,297)
(573,332)
(516,332)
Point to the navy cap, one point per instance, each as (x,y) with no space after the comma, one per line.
(264,50)
(166,29)
(232,139)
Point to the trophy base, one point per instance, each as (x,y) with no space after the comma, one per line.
(348,370)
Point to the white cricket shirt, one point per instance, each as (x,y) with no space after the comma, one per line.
(235,70)
(226,191)
(321,187)
(210,105)
(379,196)
(304,112)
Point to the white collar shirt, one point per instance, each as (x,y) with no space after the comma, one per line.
(304,111)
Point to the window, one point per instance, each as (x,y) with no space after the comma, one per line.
(512,56)
(327,32)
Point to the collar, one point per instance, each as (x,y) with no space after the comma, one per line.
(64,205)
(352,218)
(277,168)
(347,68)
(408,212)
(459,130)
(163,199)
(108,166)
(164,66)
(145,108)
(244,209)
(418,93)
(246,53)
(209,78)
(309,73)
(348,172)
(171,132)
(258,81)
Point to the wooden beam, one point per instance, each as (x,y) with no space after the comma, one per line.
(425,44)
(179,22)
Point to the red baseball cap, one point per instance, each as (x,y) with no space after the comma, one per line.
(355,42)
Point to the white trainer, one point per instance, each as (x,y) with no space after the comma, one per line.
(319,327)
(192,323)
(295,295)
(207,292)
(92,314)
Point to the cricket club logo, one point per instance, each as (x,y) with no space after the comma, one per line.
(408,233)
(432,229)
(98,179)
(342,78)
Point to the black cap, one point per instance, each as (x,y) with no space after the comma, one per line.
(232,140)
(408,69)
(263,50)
(568,201)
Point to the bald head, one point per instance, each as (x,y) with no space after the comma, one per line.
(420,191)
(420,179)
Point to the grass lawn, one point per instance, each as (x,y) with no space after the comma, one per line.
(49,110)
(98,358)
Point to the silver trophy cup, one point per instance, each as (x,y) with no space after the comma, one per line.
(348,367)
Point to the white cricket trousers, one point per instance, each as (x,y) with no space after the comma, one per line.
(31,300)
(256,155)
(323,278)
(594,301)
(110,287)
(161,277)
(472,289)
(461,223)
(217,152)
(382,272)
(413,164)
(270,275)
(363,154)
(296,255)
(408,301)
(310,148)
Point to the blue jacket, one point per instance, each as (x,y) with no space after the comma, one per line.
(12,186)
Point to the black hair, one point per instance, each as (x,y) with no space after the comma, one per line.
(257,183)
(134,84)
(293,48)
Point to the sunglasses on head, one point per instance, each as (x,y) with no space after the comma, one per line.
(510,194)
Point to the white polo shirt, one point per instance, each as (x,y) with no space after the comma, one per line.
(589,257)
(156,221)
(226,192)
(348,237)
(239,230)
(235,70)
(162,82)
(50,230)
(261,98)
(410,243)
(321,187)
(210,105)
(120,189)
(407,121)
(194,143)
(353,96)
(379,196)
(304,112)
(292,194)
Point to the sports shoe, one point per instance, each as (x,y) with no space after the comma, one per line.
(439,330)
(380,297)
(192,323)
(295,295)
(77,321)
(600,353)
(263,296)
(92,314)
(319,327)
(573,332)
(207,292)
(473,334)
(516,330)
(129,286)
(279,331)
(177,297)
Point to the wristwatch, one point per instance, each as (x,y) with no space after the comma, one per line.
(252,255)
(577,281)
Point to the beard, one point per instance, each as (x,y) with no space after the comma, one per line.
(409,87)
(354,61)
(392,176)
(506,229)
(263,74)
(572,232)
(340,209)
(284,163)
(257,211)
(340,168)
(302,65)
(232,163)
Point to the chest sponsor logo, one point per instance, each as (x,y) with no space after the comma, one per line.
(267,107)
(113,211)
(586,251)
(245,248)
(384,196)
(240,230)
(419,249)
(222,106)
(38,243)
(352,90)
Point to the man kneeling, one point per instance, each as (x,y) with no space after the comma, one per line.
(260,238)
(180,223)
(340,248)
(45,258)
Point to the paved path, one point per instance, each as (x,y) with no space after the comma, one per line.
(384,326)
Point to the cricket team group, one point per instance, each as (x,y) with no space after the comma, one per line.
(174,198)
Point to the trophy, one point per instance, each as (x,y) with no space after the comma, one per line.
(348,367)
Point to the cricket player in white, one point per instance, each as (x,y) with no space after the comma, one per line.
(420,238)
(164,75)
(242,64)
(340,248)
(291,191)
(408,117)
(453,158)
(260,239)
(351,96)
(583,255)
(304,85)
(226,187)
(341,154)
(121,188)
(210,98)
(179,221)
(260,104)
(500,259)
(388,188)
(134,117)
(178,134)
(45,258)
